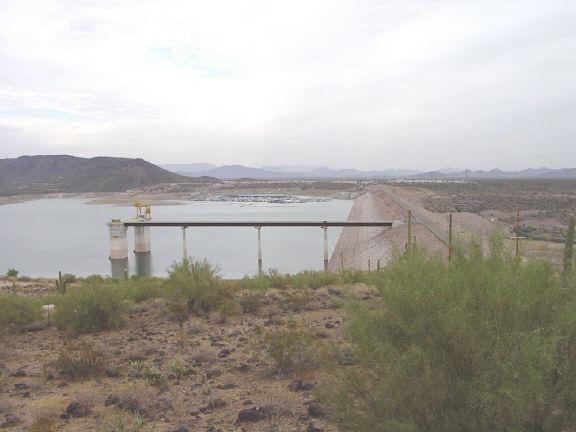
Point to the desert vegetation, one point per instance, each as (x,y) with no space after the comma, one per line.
(484,342)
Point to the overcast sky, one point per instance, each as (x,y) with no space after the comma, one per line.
(366,84)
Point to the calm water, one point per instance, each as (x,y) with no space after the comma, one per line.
(39,238)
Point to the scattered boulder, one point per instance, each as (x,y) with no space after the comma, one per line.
(335,292)
(10,420)
(252,415)
(76,410)
(295,386)
(317,410)
(298,385)
(112,373)
(224,353)
(314,427)
(212,373)
(217,403)
(111,400)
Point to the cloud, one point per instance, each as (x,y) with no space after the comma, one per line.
(366,84)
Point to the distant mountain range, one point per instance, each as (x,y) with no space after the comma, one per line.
(318,172)
(63,173)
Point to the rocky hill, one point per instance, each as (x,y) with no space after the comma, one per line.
(64,173)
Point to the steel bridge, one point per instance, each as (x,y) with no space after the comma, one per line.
(118,232)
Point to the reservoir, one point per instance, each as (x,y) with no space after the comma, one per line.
(39,238)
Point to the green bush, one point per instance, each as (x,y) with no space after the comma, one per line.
(140,289)
(480,344)
(150,372)
(293,352)
(91,307)
(17,311)
(69,278)
(177,367)
(196,284)
(258,282)
(313,279)
(12,273)
(251,302)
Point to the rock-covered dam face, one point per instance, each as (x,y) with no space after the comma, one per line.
(359,246)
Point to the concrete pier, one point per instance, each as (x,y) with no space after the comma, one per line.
(118,240)
(143,264)
(259,250)
(119,268)
(142,239)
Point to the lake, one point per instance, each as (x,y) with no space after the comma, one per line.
(39,238)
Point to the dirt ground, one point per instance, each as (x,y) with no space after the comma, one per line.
(492,207)
(227,370)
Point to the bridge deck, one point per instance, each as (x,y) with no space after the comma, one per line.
(258,223)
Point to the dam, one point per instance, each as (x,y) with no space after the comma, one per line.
(379,223)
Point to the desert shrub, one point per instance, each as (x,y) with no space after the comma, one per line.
(229,308)
(251,302)
(297,301)
(79,361)
(91,307)
(150,372)
(313,279)
(94,279)
(43,423)
(123,421)
(349,277)
(196,285)
(258,282)
(177,367)
(293,351)
(178,310)
(69,278)
(17,311)
(12,273)
(277,279)
(478,344)
(194,327)
(142,288)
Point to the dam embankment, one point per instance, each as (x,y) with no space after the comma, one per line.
(359,246)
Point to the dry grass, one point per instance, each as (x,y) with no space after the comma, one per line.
(194,327)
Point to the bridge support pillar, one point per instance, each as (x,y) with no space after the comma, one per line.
(259,250)
(118,240)
(184,246)
(325,228)
(142,239)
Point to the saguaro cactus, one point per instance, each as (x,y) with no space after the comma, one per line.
(569,247)
(61,284)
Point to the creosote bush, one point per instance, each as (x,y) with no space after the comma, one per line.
(12,273)
(194,286)
(478,344)
(293,351)
(91,307)
(17,311)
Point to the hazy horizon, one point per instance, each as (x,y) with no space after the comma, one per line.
(367,85)
(304,168)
